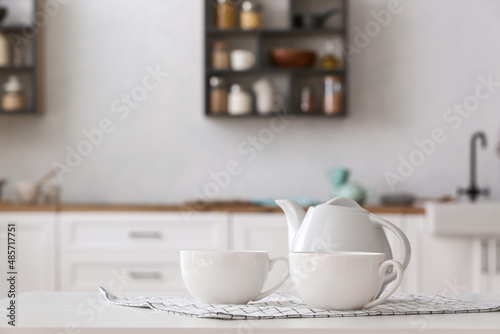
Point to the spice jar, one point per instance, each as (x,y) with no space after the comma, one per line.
(329,61)
(220,56)
(4,49)
(239,101)
(226,14)
(332,98)
(307,100)
(218,95)
(13,98)
(250,16)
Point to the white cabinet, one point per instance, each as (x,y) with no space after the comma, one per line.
(487,253)
(135,251)
(140,250)
(446,266)
(35,251)
(497,267)
(262,231)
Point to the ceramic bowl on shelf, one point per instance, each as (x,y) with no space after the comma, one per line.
(292,58)
(27,192)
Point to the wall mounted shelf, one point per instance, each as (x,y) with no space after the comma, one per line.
(260,41)
(28,72)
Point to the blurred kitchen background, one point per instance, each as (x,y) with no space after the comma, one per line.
(91,52)
(128,100)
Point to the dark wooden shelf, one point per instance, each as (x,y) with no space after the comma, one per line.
(262,40)
(274,32)
(17,68)
(16,27)
(28,73)
(276,70)
(256,115)
(28,111)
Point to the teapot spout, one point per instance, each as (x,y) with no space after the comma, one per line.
(294,215)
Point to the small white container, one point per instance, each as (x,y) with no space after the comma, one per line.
(13,98)
(239,101)
(27,192)
(264,96)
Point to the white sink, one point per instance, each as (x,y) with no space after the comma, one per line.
(463,219)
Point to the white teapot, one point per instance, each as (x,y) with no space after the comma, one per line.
(341,224)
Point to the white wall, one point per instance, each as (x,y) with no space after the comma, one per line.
(428,58)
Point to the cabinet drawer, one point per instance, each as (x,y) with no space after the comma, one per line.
(143,231)
(121,275)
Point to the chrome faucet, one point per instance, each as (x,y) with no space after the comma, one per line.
(473,191)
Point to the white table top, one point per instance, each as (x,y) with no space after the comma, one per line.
(89,313)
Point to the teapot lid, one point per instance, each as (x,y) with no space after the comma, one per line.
(344,203)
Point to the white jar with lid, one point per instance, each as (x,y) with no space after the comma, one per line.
(13,99)
(239,101)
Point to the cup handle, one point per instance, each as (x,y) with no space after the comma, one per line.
(399,278)
(402,238)
(280,283)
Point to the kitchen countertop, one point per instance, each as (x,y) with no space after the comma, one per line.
(221,207)
(87,312)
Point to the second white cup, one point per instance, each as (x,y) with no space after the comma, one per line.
(228,277)
(342,281)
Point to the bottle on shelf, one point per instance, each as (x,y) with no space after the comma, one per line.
(239,101)
(220,56)
(307,100)
(218,95)
(265,96)
(250,17)
(4,50)
(13,98)
(333,97)
(226,14)
(329,61)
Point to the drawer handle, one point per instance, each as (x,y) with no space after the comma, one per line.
(145,234)
(144,275)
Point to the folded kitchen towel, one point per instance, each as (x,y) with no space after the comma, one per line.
(281,306)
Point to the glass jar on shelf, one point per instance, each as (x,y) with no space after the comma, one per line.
(333,95)
(330,61)
(13,98)
(239,101)
(220,56)
(307,100)
(218,95)
(250,17)
(226,14)
(4,49)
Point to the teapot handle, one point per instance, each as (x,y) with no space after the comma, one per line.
(402,237)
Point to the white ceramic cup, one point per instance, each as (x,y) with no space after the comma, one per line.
(228,277)
(242,60)
(342,280)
